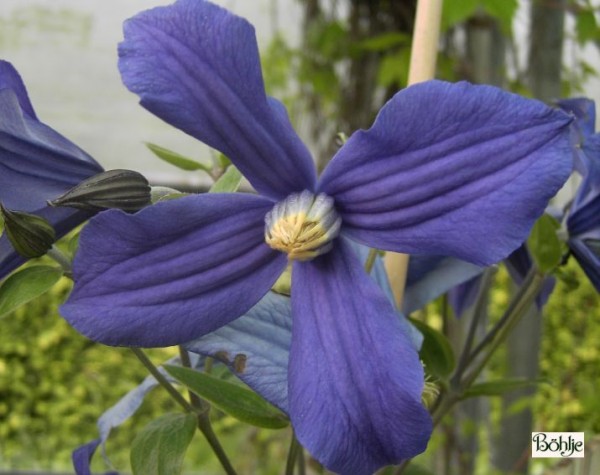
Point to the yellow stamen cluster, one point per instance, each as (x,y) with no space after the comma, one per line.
(303,225)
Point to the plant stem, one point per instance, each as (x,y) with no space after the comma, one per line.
(523,300)
(201,411)
(525,297)
(293,454)
(478,312)
(206,428)
(199,404)
(532,275)
(57,255)
(162,380)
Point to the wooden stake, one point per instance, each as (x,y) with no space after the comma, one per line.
(422,68)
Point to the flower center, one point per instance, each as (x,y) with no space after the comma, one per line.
(303,225)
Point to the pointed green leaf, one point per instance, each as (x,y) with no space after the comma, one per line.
(176,159)
(160,447)
(436,352)
(25,285)
(228,182)
(497,387)
(544,244)
(231,398)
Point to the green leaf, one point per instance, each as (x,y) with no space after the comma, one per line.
(228,182)
(160,447)
(25,285)
(497,387)
(544,244)
(587,29)
(231,398)
(176,159)
(436,352)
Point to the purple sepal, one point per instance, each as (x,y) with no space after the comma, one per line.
(355,379)
(173,271)
(451,169)
(196,66)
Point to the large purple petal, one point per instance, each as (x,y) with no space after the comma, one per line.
(173,271)
(196,66)
(355,379)
(451,169)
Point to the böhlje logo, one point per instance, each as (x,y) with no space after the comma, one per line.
(557,444)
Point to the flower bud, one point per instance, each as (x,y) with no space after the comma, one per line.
(122,189)
(30,235)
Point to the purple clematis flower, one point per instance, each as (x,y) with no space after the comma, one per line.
(36,164)
(446,169)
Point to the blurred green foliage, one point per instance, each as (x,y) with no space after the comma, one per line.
(570,362)
(54,384)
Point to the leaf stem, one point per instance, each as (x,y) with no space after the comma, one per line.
(532,283)
(58,256)
(524,298)
(293,455)
(478,312)
(201,410)
(162,380)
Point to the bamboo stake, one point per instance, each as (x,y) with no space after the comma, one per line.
(422,68)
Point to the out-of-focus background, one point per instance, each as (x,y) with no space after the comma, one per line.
(333,63)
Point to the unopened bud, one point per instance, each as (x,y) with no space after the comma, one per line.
(30,235)
(122,189)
